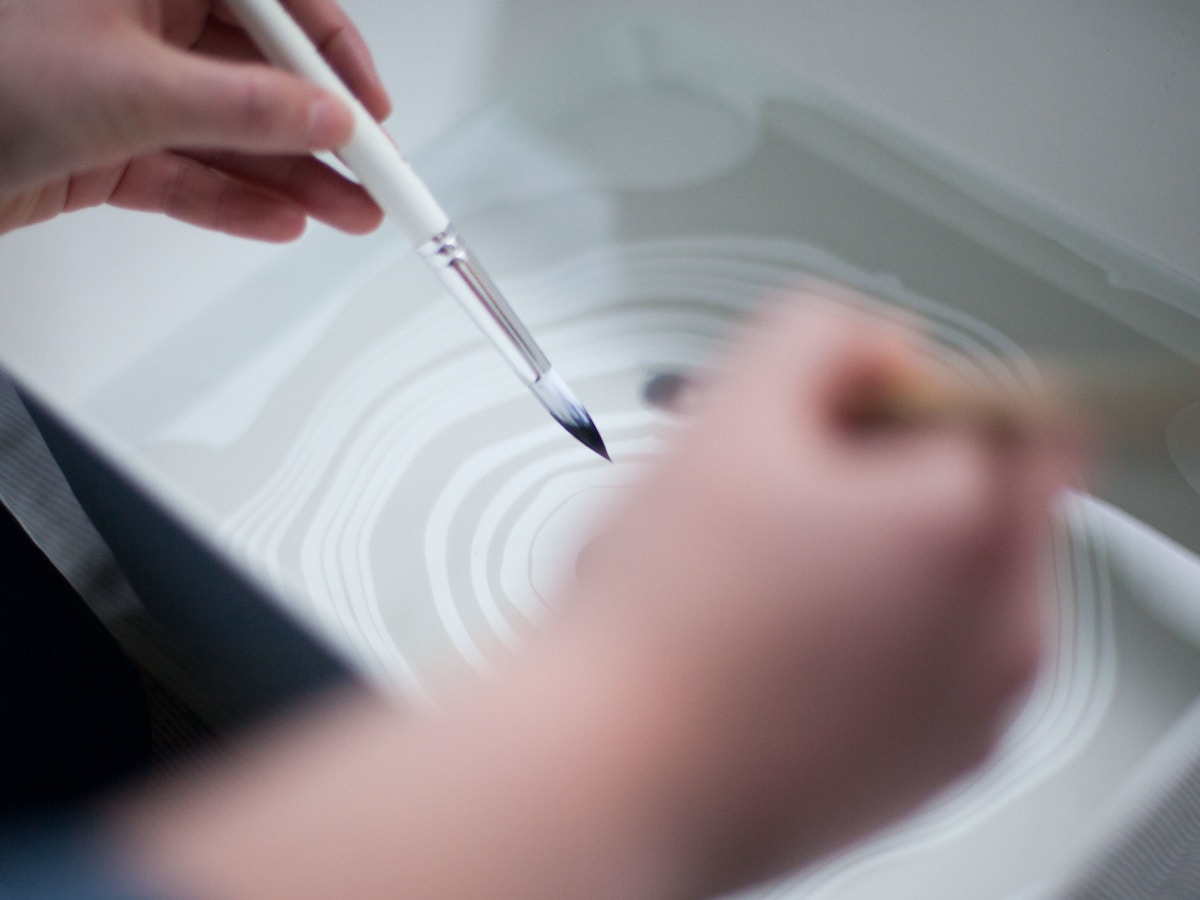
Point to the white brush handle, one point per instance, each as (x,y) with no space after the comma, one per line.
(385,173)
(370,154)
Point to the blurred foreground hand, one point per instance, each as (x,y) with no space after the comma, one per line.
(794,632)
(165,106)
(842,613)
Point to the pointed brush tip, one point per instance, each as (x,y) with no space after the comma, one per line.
(561,402)
(588,435)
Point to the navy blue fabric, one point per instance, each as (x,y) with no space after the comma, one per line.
(74,718)
(59,861)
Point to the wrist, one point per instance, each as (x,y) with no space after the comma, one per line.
(591,735)
(674,784)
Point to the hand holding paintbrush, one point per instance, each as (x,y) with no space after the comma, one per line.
(794,631)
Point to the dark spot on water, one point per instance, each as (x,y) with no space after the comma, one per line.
(665,390)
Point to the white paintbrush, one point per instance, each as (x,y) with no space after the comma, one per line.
(387,176)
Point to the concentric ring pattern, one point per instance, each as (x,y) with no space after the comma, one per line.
(427,507)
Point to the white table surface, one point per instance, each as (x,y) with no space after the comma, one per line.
(1091,108)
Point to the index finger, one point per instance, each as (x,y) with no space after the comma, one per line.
(342,45)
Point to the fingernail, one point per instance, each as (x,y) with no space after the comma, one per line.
(329,124)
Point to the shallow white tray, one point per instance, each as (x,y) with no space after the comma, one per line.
(346,433)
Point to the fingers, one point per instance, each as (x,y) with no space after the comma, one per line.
(176,186)
(218,93)
(186,190)
(344,47)
(960,508)
(173,98)
(148,78)
(323,193)
(341,44)
(947,497)
(226,41)
(819,355)
(266,198)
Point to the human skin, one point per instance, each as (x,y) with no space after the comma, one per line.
(793,632)
(798,628)
(164,106)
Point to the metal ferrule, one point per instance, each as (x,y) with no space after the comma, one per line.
(450,260)
(443,248)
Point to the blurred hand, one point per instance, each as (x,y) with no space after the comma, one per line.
(164,106)
(839,613)
(798,628)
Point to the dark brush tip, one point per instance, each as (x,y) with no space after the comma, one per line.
(588,435)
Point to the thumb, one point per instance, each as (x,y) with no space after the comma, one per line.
(182,99)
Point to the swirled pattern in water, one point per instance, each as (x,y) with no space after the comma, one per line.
(428,507)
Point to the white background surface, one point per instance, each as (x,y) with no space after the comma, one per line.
(1091,108)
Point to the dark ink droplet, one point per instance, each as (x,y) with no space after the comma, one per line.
(664,390)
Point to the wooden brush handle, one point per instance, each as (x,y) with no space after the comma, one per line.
(1118,399)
